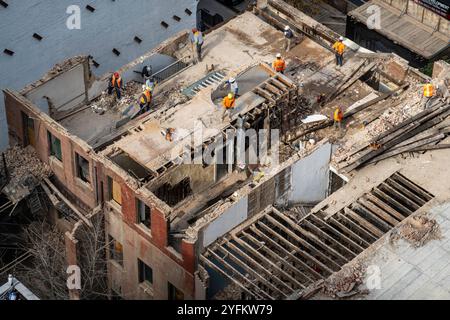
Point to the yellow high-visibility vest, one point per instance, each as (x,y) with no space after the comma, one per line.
(428,90)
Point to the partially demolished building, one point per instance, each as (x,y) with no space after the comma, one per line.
(309,208)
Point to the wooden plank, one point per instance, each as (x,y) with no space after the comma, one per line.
(249,270)
(419,201)
(238,283)
(349,232)
(379,212)
(329,227)
(274,255)
(364,223)
(412,186)
(380,203)
(303,242)
(296,247)
(393,191)
(357,206)
(257,264)
(311,271)
(310,236)
(357,226)
(329,238)
(270,263)
(278,84)
(392,201)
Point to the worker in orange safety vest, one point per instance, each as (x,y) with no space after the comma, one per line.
(338,116)
(116,84)
(228,103)
(339,49)
(429,93)
(279,65)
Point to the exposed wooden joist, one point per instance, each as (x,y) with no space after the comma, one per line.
(386,207)
(412,186)
(379,212)
(374,218)
(364,223)
(357,227)
(349,232)
(400,195)
(381,194)
(419,201)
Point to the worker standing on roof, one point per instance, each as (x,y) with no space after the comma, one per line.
(339,49)
(338,116)
(429,93)
(145,100)
(234,87)
(279,64)
(228,103)
(150,84)
(196,38)
(147,72)
(288,36)
(116,84)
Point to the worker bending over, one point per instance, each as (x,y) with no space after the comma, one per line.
(116,84)
(234,87)
(338,116)
(145,100)
(339,49)
(196,38)
(279,65)
(288,37)
(228,103)
(429,93)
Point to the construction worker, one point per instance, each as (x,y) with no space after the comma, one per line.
(145,100)
(116,84)
(339,49)
(196,38)
(146,72)
(288,36)
(234,87)
(228,103)
(150,84)
(338,116)
(429,93)
(279,64)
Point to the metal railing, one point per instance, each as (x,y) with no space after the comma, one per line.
(171,70)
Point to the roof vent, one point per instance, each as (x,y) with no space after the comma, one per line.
(3,4)
(8,52)
(37,36)
(90,8)
(116,52)
(188,12)
(164,24)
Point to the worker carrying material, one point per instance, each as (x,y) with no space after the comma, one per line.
(145,100)
(279,65)
(115,84)
(429,93)
(228,103)
(234,87)
(339,49)
(196,38)
(338,116)
(288,37)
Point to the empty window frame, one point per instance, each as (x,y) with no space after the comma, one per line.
(115,192)
(82,168)
(175,293)
(54,146)
(115,250)
(143,214)
(145,273)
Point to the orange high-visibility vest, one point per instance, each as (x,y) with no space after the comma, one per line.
(339,47)
(115,81)
(338,115)
(279,65)
(146,97)
(229,103)
(428,90)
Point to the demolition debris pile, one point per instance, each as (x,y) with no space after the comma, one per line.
(345,283)
(417,231)
(24,162)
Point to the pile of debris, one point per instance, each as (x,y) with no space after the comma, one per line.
(417,231)
(231,292)
(421,132)
(109,101)
(24,162)
(346,282)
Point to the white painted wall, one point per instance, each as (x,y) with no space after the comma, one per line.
(114,24)
(227,221)
(310,177)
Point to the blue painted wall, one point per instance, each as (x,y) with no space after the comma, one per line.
(113,24)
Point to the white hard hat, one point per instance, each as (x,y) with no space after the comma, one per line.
(144,87)
(341,38)
(286,28)
(278,55)
(232,80)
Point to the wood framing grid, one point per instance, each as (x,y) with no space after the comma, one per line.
(271,256)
